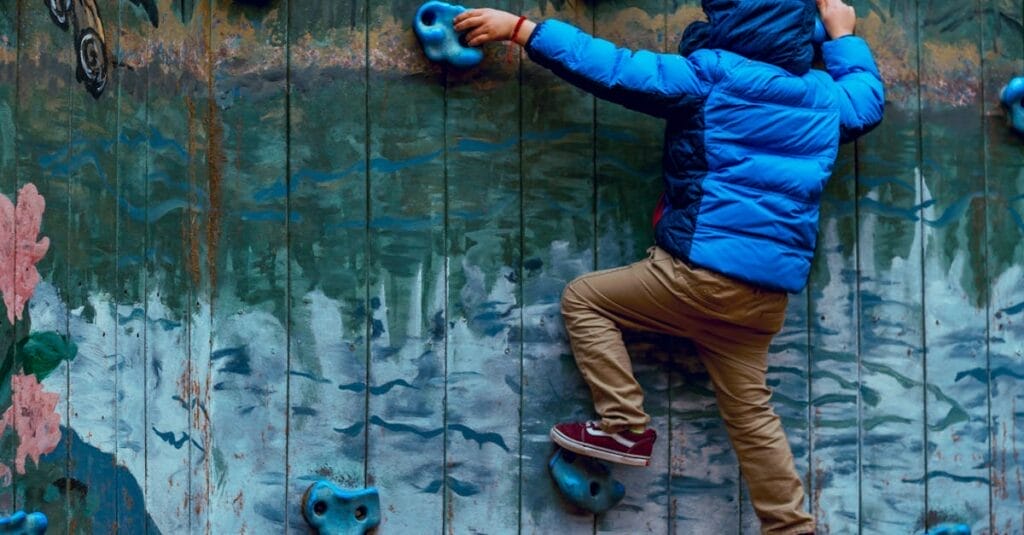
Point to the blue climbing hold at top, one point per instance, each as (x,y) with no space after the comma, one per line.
(950,529)
(440,41)
(331,510)
(1012,97)
(23,524)
(585,482)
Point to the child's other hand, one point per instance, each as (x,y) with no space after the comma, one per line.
(839,19)
(485,25)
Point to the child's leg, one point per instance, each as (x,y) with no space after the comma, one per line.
(642,296)
(738,367)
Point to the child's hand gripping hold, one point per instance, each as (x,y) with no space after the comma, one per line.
(487,25)
(839,19)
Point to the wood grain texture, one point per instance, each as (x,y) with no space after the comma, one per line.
(249,301)
(290,248)
(45,81)
(834,475)
(131,287)
(956,291)
(1003,60)
(92,211)
(408,311)
(175,159)
(558,246)
(326,191)
(483,250)
(892,442)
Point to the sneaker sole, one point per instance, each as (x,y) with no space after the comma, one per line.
(597,452)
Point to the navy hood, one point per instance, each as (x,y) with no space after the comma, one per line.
(778,32)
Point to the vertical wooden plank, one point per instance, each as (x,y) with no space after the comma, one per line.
(834,471)
(201,237)
(407,308)
(131,289)
(956,289)
(92,258)
(176,124)
(45,82)
(327,288)
(558,246)
(892,441)
(247,267)
(628,148)
(8,188)
(484,351)
(705,477)
(1003,59)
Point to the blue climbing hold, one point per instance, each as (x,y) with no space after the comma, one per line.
(23,524)
(331,510)
(433,25)
(585,482)
(950,529)
(1012,97)
(820,35)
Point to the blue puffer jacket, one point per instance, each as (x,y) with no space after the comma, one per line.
(752,131)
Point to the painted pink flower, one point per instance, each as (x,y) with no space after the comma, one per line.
(33,416)
(19,250)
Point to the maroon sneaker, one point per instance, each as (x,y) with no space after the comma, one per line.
(587,438)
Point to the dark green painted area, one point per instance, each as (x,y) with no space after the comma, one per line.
(289,248)
(8,177)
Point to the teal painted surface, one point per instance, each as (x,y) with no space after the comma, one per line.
(1003,53)
(289,249)
(955,297)
(407,309)
(892,358)
(557,142)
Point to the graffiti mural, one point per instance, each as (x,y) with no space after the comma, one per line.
(284,247)
(91,51)
(29,421)
(92,54)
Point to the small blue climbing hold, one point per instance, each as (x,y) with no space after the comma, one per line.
(585,482)
(820,35)
(23,524)
(950,529)
(1012,98)
(332,510)
(440,41)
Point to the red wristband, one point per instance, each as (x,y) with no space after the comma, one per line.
(519,24)
(515,32)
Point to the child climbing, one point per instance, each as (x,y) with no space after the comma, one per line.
(752,134)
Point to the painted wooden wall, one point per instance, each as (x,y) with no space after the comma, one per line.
(281,246)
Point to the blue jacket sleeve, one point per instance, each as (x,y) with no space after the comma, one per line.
(639,80)
(861,92)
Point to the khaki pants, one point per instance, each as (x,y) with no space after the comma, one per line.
(731,324)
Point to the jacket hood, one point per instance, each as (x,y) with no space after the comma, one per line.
(778,32)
